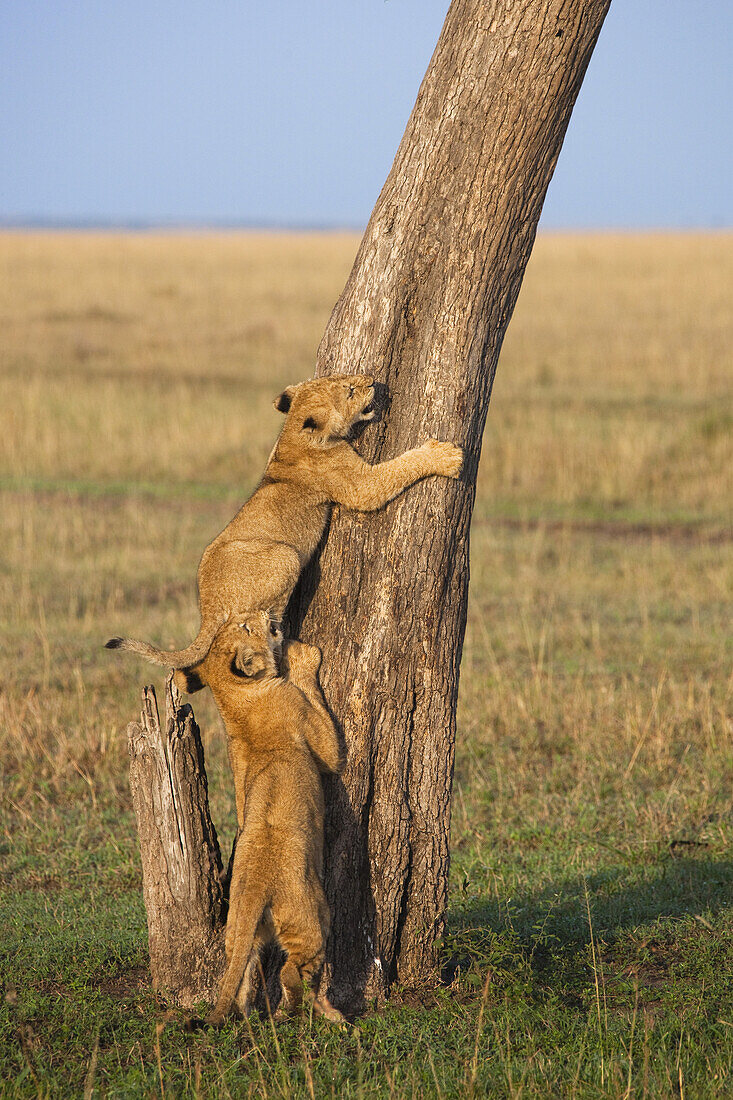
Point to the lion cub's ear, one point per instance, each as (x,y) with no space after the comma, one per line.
(285,400)
(247,662)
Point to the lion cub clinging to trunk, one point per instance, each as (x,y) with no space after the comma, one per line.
(280,738)
(255,562)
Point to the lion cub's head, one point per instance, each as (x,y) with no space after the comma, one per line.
(325,410)
(245,650)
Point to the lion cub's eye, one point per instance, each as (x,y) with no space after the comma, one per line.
(274,630)
(243,626)
(351,391)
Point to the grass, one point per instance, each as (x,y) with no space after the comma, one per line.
(589,944)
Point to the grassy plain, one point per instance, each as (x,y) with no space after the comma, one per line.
(592,881)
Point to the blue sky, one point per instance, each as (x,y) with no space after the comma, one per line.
(289,112)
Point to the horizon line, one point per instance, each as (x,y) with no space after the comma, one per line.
(142,225)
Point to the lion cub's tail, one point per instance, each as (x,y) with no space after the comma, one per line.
(173,658)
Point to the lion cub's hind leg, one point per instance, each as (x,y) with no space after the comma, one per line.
(264,934)
(237,579)
(302,933)
(252,575)
(302,941)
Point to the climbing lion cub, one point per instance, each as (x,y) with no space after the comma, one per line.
(255,562)
(280,738)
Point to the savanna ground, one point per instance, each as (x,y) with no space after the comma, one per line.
(589,945)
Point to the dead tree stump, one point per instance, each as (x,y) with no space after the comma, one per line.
(181,861)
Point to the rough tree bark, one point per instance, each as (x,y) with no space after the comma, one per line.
(182,879)
(425,310)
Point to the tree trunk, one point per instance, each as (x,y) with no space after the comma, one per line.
(425,310)
(182,869)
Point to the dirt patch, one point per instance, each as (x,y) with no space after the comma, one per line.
(126,984)
(619,529)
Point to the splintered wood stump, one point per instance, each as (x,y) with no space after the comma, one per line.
(181,861)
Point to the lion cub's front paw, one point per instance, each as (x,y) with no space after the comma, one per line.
(299,658)
(447,459)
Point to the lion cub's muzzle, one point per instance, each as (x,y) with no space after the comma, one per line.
(369,409)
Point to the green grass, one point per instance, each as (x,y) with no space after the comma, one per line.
(533,1006)
(588,951)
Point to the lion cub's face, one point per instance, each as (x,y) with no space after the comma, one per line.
(249,645)
(328,408)
(247,649)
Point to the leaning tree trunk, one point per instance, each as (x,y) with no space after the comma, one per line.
(425,310)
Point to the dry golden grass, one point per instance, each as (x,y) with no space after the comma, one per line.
(146,357)
(151,361)
(595,734)
(105,334)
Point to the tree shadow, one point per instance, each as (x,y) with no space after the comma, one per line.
(610,903)
(350,950)
(305,589)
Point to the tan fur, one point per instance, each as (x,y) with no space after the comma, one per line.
(255,562)
(280,738)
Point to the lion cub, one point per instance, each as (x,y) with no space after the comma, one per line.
(280,738)
(255,562)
